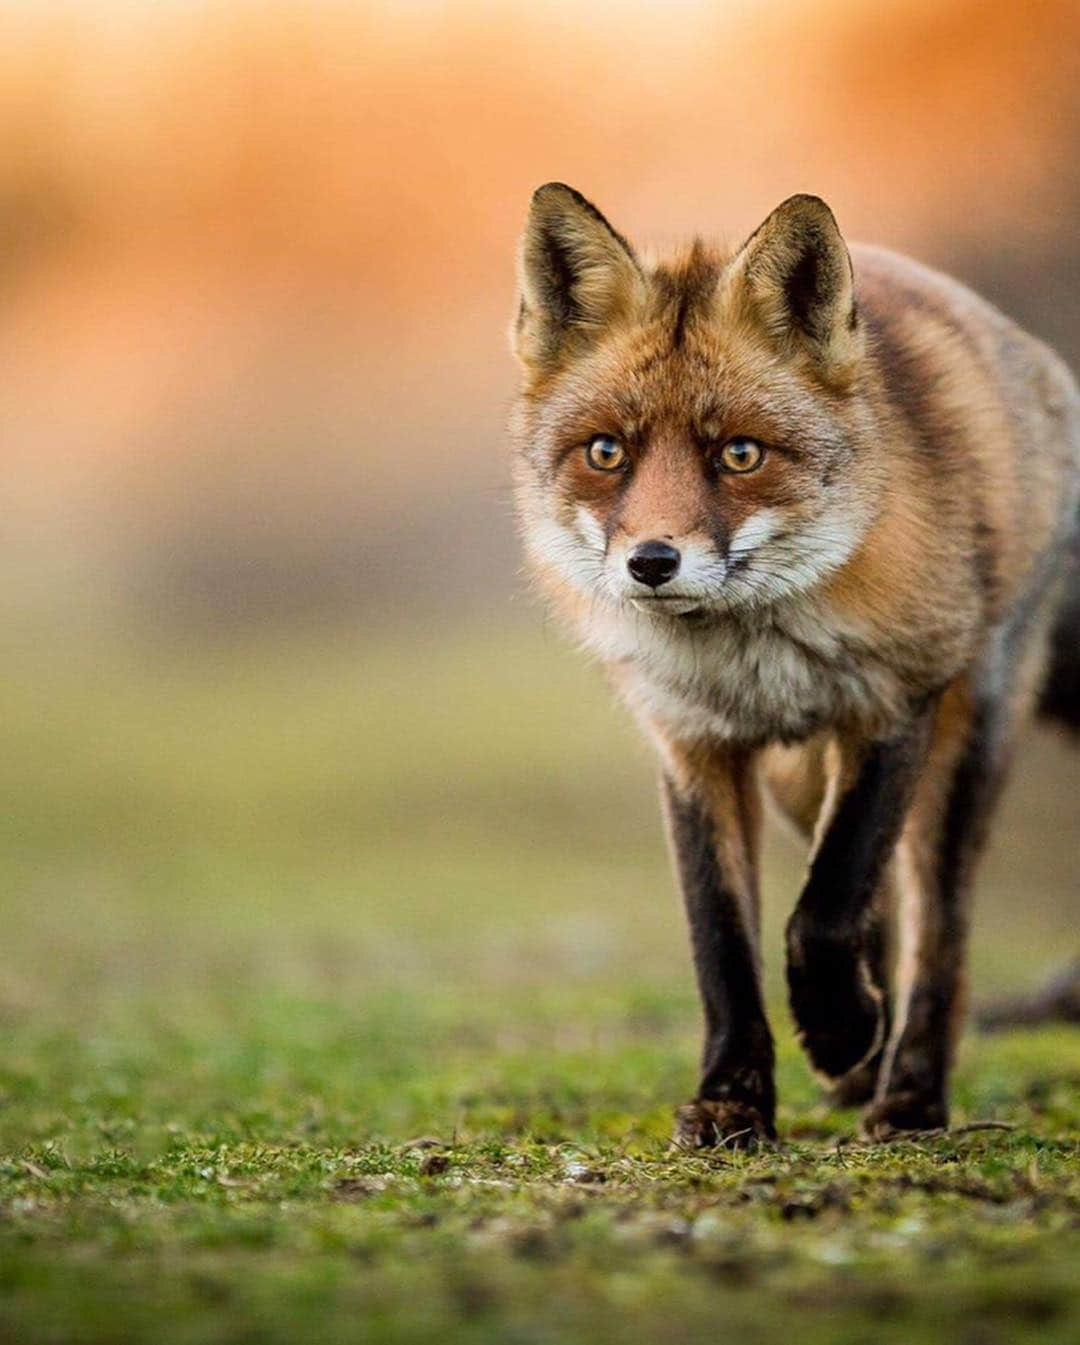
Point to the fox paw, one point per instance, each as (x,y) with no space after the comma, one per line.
(708,1124)
(838,1008)
(904,1112)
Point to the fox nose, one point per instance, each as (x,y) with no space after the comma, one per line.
(653,563)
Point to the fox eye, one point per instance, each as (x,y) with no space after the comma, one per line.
(740,455)
(604,453)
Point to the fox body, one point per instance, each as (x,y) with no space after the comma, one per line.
(816,511)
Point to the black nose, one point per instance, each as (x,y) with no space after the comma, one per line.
(653,563)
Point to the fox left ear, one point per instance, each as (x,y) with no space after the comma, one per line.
(576,276)
(795,275)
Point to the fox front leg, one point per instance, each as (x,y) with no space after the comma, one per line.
(949,825)
(713,816)
(835,953)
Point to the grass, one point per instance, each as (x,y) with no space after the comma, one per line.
(345,997)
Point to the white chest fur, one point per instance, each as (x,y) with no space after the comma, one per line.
(776,675)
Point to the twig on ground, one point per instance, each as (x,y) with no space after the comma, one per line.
(937,1132)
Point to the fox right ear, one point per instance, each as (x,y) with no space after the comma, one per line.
(576,274)
(795,274)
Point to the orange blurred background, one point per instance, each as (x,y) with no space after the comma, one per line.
(258,257)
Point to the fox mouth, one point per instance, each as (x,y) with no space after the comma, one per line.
(672,604)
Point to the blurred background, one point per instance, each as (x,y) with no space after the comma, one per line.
(276,709)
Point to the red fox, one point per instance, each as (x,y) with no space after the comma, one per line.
(818,514)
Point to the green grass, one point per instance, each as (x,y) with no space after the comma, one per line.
(344,996)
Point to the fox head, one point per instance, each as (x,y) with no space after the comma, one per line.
(690,434)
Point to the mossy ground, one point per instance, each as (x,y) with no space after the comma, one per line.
(344,996)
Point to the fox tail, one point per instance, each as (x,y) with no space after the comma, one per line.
(1060,699)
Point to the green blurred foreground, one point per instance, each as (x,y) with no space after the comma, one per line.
(344,996)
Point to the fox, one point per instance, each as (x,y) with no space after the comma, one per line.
(815,510)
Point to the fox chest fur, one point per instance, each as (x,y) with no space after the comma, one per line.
(780,675)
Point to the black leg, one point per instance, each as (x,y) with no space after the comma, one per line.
(835,942)
(950,821)
(913,1090)
(711,834)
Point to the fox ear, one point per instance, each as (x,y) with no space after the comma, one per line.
(795,274)
(576,274)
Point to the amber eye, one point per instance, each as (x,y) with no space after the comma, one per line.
(740,455)
(604,453)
